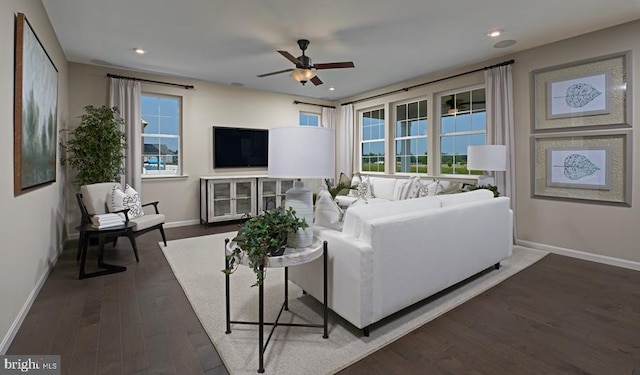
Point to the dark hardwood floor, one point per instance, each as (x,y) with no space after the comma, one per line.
(559,316)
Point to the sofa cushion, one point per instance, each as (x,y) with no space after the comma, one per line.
(355,217)
(327,213)
(469,196)
(383,187)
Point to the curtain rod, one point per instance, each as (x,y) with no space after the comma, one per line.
(319,105)
(186,87)
(430,82)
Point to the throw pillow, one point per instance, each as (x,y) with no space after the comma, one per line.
(407,189)
(327,213)
(430,189)
(363,189)
(127,199)
(355,180)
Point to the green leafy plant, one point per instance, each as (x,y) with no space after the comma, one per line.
(263,236)
(95,148)
(493,188)
(341,188)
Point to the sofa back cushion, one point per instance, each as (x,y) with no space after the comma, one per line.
(466,197)
(383,187)
(355,217)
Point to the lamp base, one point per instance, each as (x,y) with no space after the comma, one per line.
(301,200)
(486,179)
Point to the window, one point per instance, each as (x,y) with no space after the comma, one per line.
(161,129)
(463,122)
(309,119)
(372,140)
(411,137)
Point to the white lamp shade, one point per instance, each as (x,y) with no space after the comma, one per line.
(301,152)
(487,158)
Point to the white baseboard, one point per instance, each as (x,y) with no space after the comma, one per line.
(173,224)
(13,330)
(582,255)
(184,223)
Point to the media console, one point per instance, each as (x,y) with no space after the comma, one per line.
(224,198)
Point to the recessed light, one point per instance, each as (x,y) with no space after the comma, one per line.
(495,33)
(332,89)
(139,51)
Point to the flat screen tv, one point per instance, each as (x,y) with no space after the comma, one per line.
(240,147)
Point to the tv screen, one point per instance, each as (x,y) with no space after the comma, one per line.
(237,147)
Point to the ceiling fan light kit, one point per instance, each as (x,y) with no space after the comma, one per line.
(306,71)
(303,75)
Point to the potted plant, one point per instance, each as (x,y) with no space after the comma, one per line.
(95,148)
(263,236)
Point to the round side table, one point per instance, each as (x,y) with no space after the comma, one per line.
(291,257)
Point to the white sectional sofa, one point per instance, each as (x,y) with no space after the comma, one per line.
(392,255)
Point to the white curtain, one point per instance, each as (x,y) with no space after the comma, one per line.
(125,94)
(329,118)
(345,161)
(501,127)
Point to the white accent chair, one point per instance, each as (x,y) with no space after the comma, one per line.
(92,200)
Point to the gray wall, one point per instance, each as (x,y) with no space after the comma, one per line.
(32,224)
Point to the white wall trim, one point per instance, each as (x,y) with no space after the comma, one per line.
(13,330)
(583,255)
(184,223)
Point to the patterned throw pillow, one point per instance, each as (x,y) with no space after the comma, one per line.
(430,189)
(407,189)
(363,189)
(129,198)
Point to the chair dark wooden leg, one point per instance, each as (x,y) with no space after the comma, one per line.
(80,245)
(163,236)
(133,244)
(365,331)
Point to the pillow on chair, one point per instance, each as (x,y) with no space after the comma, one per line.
(127,199)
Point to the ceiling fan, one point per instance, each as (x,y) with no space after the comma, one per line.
(305,70)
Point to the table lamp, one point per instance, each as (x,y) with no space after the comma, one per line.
(487,158)
(301,152)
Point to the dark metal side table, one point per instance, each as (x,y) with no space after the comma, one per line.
(291,257)
(87,232)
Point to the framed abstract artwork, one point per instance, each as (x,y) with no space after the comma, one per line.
(589,166)
(585,94)
(35,111)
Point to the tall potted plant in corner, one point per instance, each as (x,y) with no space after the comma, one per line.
(95,148)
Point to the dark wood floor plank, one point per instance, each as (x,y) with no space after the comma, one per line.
(559,316)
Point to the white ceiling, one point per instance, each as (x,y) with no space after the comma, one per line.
(225,41)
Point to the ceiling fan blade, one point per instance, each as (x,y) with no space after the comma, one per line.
(335,65)
(278,72)
(316,81)
(290,57)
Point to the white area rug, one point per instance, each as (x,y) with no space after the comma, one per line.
(197,263)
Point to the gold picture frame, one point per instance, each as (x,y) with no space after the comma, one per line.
(587,94)
(592,166)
